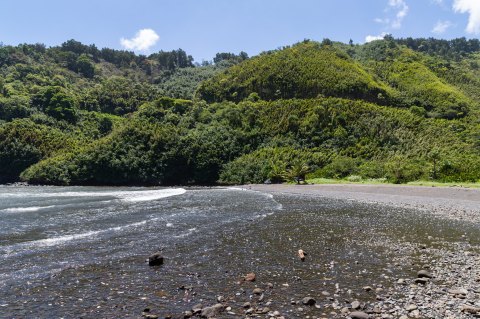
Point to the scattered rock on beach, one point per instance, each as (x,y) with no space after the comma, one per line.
(250,277)
(155,259)
(213,311)
(359,315)
(309,301)
(424,274)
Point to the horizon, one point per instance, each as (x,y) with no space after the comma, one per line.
(213,27)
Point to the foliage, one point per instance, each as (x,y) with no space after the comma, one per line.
(77,115)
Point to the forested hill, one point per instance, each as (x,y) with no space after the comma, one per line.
(390,110)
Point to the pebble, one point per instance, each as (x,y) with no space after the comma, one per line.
(250,277)
(309,301)
(359,315)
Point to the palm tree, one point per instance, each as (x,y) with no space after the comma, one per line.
(297,172)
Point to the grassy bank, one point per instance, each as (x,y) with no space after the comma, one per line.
(383,181)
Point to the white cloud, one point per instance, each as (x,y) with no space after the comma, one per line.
(472,7)
(402,11)
(441,27)
(143,40)
(370,38)
(437,2)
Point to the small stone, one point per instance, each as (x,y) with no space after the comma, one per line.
(359,315)
(424,274)
(325,293)
(309,301)
(220,299)
(187,314)
(197,308)
(265,310)
(155,259)
(212,311)
(458,291)
(355,305)
(470,309)
(250,277)
(422,281)
(415,313)
(246,305)
(257,291)
(411,307)
(367,288)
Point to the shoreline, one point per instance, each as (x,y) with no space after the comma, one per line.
(452,203)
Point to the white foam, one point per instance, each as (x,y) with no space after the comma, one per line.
(54,241)
(24,209)
(127,196)
(144,196)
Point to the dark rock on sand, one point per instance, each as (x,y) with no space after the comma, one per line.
(155,259)
(309,301)
(424,274)
(422,281)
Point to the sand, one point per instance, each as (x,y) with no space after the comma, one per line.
(447,202)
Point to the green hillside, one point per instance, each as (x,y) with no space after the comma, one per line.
(306,70)
(386,110)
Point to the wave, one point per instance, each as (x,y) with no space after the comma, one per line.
(25,209)
(143,196)
(127,196)
(54,241)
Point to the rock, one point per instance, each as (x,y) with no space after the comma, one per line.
(367,288)
(246,305)
(325,293)
(197,308)
(355,305)
(301,254)
(187,314)
(422,281)
(220,299)
(250,277)
(309,301)
(401,281)
(257,291)
(150,316)
(411,307)
(264,310)
(470,309)
(155,259)
(212,311)
(359,315)
(458,291)
(424,274)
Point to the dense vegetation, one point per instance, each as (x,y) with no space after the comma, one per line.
(390,110)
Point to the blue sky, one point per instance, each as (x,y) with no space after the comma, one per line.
(205,27)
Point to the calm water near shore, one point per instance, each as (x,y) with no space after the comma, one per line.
(80,251)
